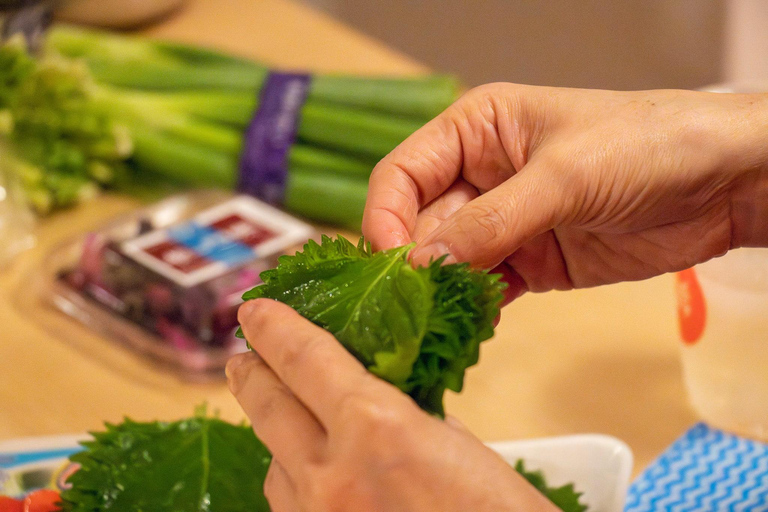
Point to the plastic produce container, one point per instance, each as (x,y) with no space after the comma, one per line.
(167,280)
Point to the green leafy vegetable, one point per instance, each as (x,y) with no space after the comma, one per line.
(96,109)
(416,328)
(565,498)
(64,145)
(196,464)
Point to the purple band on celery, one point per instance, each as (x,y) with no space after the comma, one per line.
(264,162)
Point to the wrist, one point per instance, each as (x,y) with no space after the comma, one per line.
(749,210)
(747,136)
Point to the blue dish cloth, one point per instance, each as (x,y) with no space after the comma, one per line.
(705,470)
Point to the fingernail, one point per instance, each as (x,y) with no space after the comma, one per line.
(236,372)
(245,310)
(423,255)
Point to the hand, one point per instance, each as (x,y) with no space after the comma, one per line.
(344,440)
(563,188)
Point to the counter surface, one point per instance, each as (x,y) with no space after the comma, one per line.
(599,360)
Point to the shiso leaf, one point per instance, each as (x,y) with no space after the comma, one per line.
(565,497)
(418,328)
(196,464)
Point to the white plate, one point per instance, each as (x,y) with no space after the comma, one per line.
(599,466)
(35,462)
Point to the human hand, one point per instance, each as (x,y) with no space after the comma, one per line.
(561,188)
(345,440)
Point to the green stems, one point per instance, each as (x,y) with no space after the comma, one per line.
(143,64)
(318,186)
(326,197)
(187,108)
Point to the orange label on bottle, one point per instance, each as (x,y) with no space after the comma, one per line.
(691,307)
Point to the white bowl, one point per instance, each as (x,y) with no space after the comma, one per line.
(115,13)
(599,466)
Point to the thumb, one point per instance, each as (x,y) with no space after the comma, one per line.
(491,227)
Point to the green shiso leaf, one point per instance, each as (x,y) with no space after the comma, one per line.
(197,464)
(565,497)
(418,328)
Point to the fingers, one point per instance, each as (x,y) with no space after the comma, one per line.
(292,434)
(280,490)
(516,285)
(454,422)
(313,365)
(466,139)
(435,213)
(488,229)
(540,263)
(413,174)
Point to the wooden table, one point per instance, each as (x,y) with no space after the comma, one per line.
(600,360)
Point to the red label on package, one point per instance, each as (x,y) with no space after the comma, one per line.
(243,230)
(177,256)
(234,233)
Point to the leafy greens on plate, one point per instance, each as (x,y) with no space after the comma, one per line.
(418,328)
(565,497)
(196,464)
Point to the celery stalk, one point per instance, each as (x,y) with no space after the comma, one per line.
(183,161)
(309,190)
(208,138)
(178,76)
(310,157)
(418,97)
(141,63)
(368,134)
(310,193)
(108,46)
(352,130)
(231,108)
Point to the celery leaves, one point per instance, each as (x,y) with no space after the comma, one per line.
(196,464)
(416,328)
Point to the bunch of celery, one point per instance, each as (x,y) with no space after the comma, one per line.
(63,147)
(177,113)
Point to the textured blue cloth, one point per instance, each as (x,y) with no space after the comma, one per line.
(705,470)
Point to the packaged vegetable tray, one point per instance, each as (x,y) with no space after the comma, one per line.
(167,280)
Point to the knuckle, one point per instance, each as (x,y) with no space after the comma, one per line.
(480,92)
(336,490)
(294,353)
(377,423)
(484,97)
(488,225)
(291,354)
(382,171)
(330,490)
(272,401)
